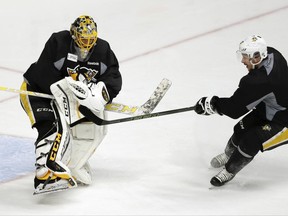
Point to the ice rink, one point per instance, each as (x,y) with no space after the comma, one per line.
(158,166)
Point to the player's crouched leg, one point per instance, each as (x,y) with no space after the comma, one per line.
(51,172)
(237,161)
(221,159)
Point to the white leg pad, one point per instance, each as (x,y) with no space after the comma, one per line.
(87,137)
(84,174)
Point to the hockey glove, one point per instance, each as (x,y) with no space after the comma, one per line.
(206,106)
(93,96)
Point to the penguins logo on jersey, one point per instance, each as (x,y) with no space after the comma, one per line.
(266,127)
(81,73)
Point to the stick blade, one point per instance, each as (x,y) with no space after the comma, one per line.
(156,97)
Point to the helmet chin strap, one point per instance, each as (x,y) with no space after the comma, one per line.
(255,64)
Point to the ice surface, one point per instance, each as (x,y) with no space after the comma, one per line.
(156,166)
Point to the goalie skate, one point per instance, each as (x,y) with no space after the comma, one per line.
(55,185)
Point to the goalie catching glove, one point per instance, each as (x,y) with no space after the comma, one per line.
(93,96)
(206,106)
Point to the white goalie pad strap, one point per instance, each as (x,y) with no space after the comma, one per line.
(66,101)
(93,96)
(42,149)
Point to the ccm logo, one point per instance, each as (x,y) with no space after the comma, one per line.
(65,104)
(44,110)
(55,147)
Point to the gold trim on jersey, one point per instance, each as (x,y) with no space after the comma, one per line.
(280,138)
(26,104)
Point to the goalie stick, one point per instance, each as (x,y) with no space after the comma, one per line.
(95,119)
(147,107)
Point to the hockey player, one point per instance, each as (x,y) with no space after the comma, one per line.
(262,95)
(78,68)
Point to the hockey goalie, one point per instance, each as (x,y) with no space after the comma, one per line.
(78,68)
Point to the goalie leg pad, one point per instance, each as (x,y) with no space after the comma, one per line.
(83,175)
(86,138)
(53,154)
(42,149)
(60,151)
(47,181)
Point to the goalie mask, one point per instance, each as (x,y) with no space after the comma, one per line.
(253,47)
(84,33)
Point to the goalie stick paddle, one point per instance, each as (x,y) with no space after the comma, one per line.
(147,107)
(95,119)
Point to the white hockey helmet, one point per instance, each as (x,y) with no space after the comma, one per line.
(253,46)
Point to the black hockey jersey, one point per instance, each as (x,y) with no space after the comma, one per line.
(264,88)
(58,60)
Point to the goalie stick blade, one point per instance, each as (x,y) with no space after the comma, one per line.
(147,107)
(95,119)
(156,97)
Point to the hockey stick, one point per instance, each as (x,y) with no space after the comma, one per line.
(95,119)
(147,107)
(30,93)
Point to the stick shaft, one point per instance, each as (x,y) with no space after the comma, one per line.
(89,115)
(31,93)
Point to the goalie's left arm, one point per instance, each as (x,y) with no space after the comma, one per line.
(110,73)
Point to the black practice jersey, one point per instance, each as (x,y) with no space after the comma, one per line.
(264,88)
(58,60)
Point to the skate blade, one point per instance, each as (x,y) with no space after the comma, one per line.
(49,191)
(58,188)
